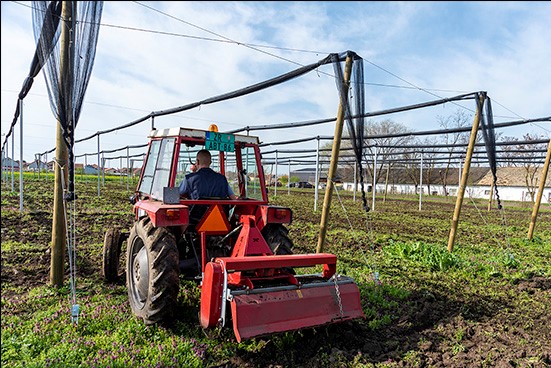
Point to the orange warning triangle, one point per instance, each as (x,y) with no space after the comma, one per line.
(214,221)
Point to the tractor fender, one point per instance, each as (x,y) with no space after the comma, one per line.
(161,214)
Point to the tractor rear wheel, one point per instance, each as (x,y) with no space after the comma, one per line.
(152,272)
(277,237)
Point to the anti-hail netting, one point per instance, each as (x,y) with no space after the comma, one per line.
(67,86)
(353,103)
(488,132)
(50,16)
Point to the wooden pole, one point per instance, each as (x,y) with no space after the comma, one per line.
(465,173)
(540,192)
(491,196)
(58,220)
(334,157)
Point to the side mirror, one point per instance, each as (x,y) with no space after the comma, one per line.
(133,199)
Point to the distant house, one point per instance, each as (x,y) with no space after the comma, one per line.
(435,182)
(8,163)
(91,169)
(37,165)
(516,183)
(309,175)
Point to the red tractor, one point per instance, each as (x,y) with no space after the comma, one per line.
(238,250)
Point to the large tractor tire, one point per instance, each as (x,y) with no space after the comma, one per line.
(152,272)
(112,245)
(277,237)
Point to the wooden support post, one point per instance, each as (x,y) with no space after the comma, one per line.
(465,173)
(540,192)
(491,196)
(58,220)
(334,157)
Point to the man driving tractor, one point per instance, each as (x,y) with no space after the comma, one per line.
(204,182)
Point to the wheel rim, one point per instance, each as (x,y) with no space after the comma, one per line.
(140,276)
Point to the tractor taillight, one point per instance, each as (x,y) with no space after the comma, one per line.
(172,214)
(279,215)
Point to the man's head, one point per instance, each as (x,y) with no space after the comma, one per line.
(203,159)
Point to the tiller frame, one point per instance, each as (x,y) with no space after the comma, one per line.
(265,296)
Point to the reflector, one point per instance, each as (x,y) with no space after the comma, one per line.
(214,221)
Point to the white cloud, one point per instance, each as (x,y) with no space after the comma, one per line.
(441,46)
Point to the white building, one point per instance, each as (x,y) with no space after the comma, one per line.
(513,184)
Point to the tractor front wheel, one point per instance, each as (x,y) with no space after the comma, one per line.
(152,272)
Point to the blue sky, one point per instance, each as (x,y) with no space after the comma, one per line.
(417,51)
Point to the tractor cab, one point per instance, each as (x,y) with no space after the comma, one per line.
(170,157)
(172,152)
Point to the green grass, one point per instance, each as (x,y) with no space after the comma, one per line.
(397,255)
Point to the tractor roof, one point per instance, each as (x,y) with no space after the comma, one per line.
(197,133)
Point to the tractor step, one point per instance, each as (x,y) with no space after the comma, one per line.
(272,310)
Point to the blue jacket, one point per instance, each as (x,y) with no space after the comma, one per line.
(203,183)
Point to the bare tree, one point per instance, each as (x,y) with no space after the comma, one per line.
(459,119)
(411,162)
(381,137)
(429,161)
